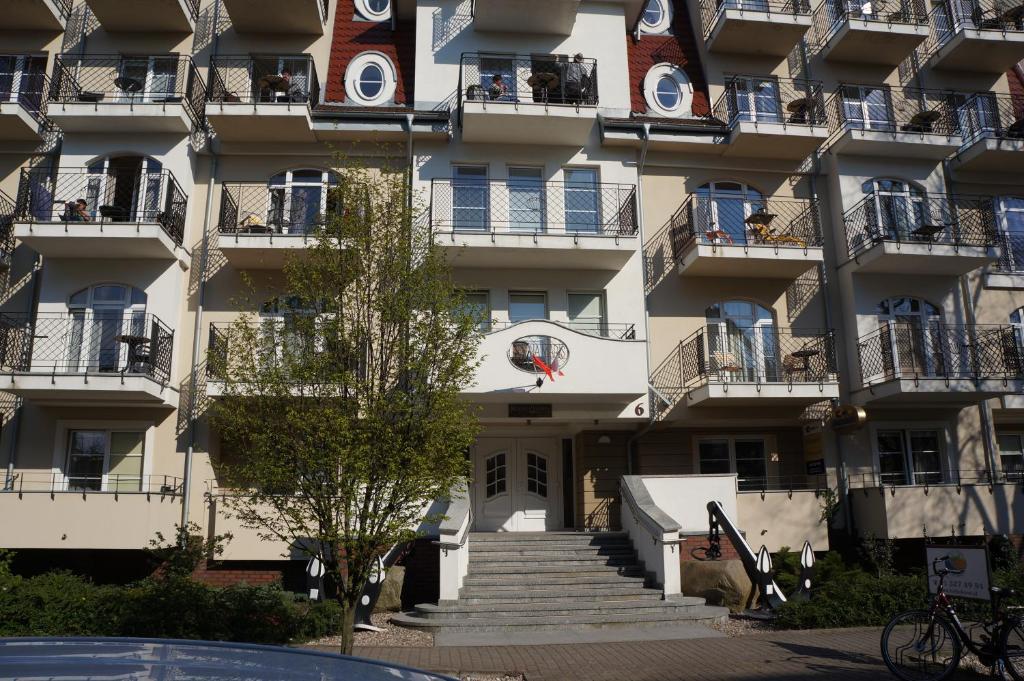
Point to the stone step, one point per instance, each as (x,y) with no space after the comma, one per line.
(554,537)
(527,583)
(484,546)
(556,608)
(541,553)
(568,562)
(574,566)
(700,614)
(544,596)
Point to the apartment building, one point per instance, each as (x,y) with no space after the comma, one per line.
(692,231)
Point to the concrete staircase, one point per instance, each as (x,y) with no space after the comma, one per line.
(555,580)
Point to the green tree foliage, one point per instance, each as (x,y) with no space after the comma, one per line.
(344,421)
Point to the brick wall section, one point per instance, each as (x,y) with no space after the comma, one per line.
(352,37)
(1015,83)
(729,551)
(679,49)
(230,574)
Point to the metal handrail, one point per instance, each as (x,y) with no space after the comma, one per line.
(712,10)
(247,79)
(770,100)
(511,79)
(721,219)
(952,477)
(111,483)
(883,108)
(830,15)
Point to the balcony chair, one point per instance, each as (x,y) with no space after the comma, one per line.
(761,233)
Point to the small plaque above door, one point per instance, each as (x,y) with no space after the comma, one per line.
(529,411)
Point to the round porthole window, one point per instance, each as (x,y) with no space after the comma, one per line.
(668,92)
(370,79)
(657,16)
(374,10)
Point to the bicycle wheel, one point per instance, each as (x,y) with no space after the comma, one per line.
(919,647)
(1012,648)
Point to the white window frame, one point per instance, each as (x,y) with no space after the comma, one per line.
(366,12)
(602,322)
(1015,257)
(327,181)
(664,24)
(945,445)
(524,292)
(768,442)
(1019,434)
(654,76)
(355,69)
(60,450)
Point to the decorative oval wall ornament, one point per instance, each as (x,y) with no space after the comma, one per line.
(538,354)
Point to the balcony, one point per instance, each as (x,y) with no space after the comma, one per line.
(771,117)
(866,32)
(264,99)
(540,99)
(260,225)
(897,123)
(304,17)
(23,106)
(993,134)
(104,512)
(137,94)
(762,27)
(131,213)
(37,15)
(729,236)
(968,502)
(897,232)
(7,210)
(513,358)
(903,363)
(976,35)
(113,358)
(721,365)
(144,16)
(552,225)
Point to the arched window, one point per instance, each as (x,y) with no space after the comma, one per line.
(374,10)
(118,189)
(108,329)
(900,211)
(300,199)
(371,79)
(657,16)
(918,341)
(742,342)
(723,209)
(668,91)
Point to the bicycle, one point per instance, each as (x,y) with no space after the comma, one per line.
(926,645)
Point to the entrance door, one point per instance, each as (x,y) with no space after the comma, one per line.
(517,485)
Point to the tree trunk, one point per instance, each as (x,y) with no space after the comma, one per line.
(348,620)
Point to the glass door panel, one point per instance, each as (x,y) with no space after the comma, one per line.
(525,200)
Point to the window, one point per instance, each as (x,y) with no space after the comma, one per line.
(299,200)
(371,79)
(119,189)
(374,10)
(497,79)
(496,475)
(22,79)
(478,305)
(526,205)
(294,69)
(147,78)
(900,209)
(909,457)
(867,107)
(657,16)
(526,306)
(101,317)
(743,342)
(1011,222)
(470,198)
(582,201)
(536,474)
(1011,455)
(754,100)
(722,212)
(911,323)
(587,313)
(746,457)
(668,91)
(105,460)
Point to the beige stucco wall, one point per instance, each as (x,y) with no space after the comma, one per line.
(942,510)
(782,519)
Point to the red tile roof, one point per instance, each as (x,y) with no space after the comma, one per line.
(352,37)
(680,49)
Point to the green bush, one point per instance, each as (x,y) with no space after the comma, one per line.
(56,604)
(854,599)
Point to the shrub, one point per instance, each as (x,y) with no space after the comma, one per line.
(855,599)
(57,604)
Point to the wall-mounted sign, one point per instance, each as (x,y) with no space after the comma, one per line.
(529,411)
(847,418)
(816,467)
(970,575)
(539,355)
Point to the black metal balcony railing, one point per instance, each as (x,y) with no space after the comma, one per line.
(831,15)
(264,80)
(952,16)
(254,209)
(87,342)
(64,7)
(115,196)
(747,482)
(882,108)
(757,354)
(528,207)
(595,327)
(987,114)
(136,80)
(711,10)
(940,219)
(28,89)
(1011,252)
(958,477)
(6,229)
(112,483)
(735,220)
(767,99)
(908,350)
(540,79)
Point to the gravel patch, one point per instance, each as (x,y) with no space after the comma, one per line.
(392,636)
(742,626)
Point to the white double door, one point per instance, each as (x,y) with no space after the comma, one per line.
(517,485)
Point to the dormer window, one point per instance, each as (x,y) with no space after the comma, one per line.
(668,91)
(657,16)
(374,10)
(371,79)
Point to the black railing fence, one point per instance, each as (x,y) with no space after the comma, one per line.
(722,219)
(1011,252)
(136,80)
(757,354)
(7,210)
(264,80)
(255,208)
(29,482)
(952,16)
(603,329)
(767,99)
(883,108)
(87,342)
(28,89)
(64,7)
(747,482)
(517,79)
(831,15)
(937,350)
(710,10)
(957,476)
(986,114)
(111,196)
(942,219)
(531,207)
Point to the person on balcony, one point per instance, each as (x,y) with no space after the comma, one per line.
(76,211)
(577,80)
(498,89)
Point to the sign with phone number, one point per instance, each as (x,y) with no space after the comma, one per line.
(972,582)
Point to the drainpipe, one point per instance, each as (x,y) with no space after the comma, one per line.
(631,443)
(984,411)
(12,446)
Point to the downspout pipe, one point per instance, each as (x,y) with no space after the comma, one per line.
(631,443)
